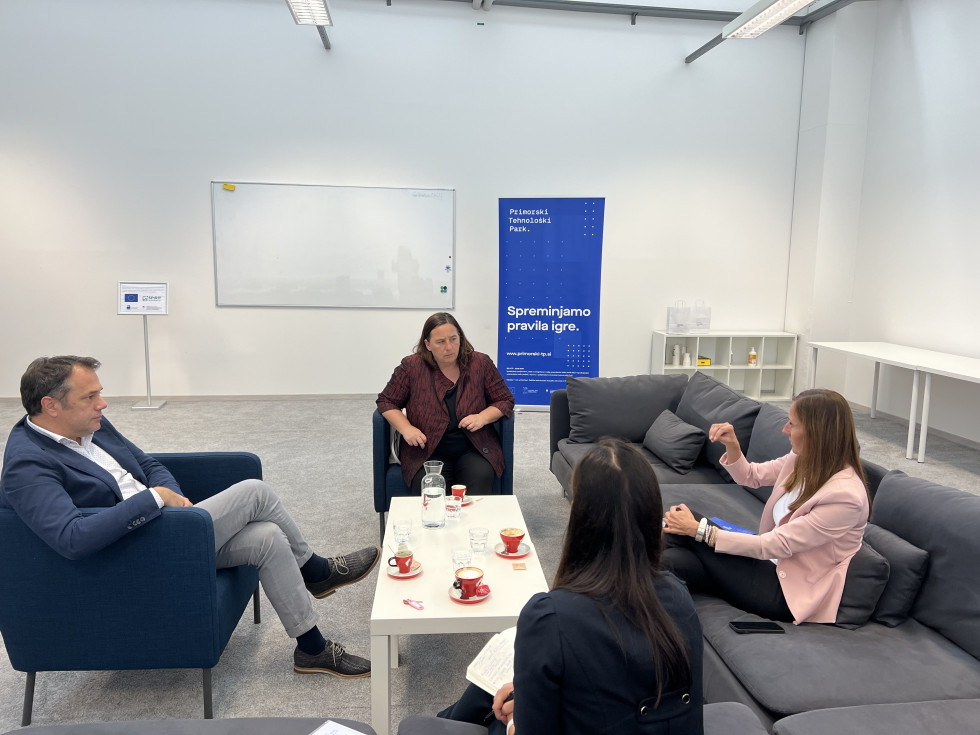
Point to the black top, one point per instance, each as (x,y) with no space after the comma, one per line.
(454,442)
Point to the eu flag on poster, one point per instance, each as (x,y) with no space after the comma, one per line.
(550,276)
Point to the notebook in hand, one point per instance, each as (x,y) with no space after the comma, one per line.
(494,665)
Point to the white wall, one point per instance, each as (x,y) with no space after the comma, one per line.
(915,260)
(116,114)
(830,164)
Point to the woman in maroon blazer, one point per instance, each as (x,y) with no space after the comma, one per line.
(811,527)
(451,394)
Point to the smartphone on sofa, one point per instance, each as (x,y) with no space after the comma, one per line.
(755,626)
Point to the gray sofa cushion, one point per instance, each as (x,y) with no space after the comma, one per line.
(873,473)
(955,717)
(622,407)
(944,522)
(731,718)
(907,568)
(675,442)
(705,402)
(702,474)
(820,666)
(768,442)
(229,726)
(867,575)
(725,501)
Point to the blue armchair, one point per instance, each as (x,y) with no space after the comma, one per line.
(388,482)
(152,600)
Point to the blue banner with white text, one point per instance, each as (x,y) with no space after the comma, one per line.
(550,273)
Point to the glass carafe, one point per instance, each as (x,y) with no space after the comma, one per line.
(433,496)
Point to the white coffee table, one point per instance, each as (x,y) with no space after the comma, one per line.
(510,589)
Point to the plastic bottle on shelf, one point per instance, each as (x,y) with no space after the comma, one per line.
(675,355)
(753,358)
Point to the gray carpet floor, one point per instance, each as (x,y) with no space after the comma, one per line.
(316,452)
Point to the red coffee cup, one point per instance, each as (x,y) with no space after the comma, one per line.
(512,538)
(467,580)
(403,560)
(459,491)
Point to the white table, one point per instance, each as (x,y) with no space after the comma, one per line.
(510,589)
(911,358)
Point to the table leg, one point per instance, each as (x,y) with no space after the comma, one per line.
(874,389)
(925,418)
(380,684)
(813,366)
(910,446)
(394,651)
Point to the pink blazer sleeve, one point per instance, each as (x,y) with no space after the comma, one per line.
(759,474)
(832,515)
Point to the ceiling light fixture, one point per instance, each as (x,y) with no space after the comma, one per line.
(310,12)
(761,17)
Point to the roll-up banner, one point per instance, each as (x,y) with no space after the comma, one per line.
(550,274)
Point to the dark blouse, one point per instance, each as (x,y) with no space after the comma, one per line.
(579,672)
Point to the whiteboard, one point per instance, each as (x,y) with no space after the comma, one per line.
(333,246)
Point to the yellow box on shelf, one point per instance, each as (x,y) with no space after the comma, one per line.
(704,361)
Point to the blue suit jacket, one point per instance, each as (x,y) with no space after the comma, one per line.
(572,676)
(47,484)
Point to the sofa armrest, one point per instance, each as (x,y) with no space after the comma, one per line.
(873,473)
(505,430)
(96,611)
(561,420)
(203,474)
(381,446)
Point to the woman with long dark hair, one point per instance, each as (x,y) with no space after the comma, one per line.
(616,646)
(813,524)
(451,395)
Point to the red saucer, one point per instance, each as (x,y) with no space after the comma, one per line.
(415,571)
(522,551)
(482,593)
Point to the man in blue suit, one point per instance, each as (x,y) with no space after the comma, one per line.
(64,455)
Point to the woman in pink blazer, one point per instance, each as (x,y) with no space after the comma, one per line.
(812,525)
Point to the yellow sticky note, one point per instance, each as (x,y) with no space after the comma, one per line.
(228,187)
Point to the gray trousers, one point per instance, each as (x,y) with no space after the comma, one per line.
(251,526)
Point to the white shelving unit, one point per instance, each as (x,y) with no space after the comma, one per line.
(771,379)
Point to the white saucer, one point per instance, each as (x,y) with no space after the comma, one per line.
(415,571)
(457,596)
(522,551)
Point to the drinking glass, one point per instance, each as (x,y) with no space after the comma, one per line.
(461,558)
(402,529)
(453,506)
(478,539)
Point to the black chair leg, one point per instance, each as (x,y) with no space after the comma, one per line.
(208,709)
(256,613)
(381,518)
(28,699)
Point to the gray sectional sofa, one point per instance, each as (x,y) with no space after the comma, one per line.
(909,633)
